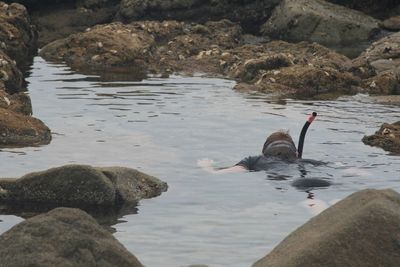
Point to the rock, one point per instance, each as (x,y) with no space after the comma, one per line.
(18,36)
(376,8)
(380,56)
(122,46)
(384,83)
(18,130)
(387,137)
(250,14)
(361,230)
(11,80)
(82,186)
(391,24)
(302,70)
(306,184)
(321,22)
(63,21)
(63,237)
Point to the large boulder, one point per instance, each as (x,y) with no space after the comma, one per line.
(63,237)
(321,22)
(361,230)
(387,137)
(81,186)
(251,14)
(18,38)
(376,8)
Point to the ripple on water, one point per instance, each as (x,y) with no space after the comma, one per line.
(163,126)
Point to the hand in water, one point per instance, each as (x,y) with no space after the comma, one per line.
(205,163)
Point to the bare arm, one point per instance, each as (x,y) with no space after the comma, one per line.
(207,165)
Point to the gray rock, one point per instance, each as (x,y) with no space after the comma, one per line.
(82,186)
(376,8)
(62,237)
(361,230)
(251,14)
(321,22)
(382,55)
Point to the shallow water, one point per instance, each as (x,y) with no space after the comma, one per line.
(164,126)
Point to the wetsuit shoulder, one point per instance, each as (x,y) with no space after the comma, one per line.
(249,162)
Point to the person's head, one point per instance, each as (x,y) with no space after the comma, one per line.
(280,144)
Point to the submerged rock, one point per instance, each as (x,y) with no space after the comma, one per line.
(18,37)
(321,22)
(63,237)
(361,230)
(81,186)
(387,137)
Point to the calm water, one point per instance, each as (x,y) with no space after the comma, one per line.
(164,126)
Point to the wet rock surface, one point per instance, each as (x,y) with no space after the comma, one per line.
(365,223)
(63,237)
(387,137)
(379,66)
(309,20)
(17,130)
(82,186)
(250,14)
(216,48)
(18,37)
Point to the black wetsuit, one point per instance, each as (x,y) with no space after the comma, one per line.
(263,163)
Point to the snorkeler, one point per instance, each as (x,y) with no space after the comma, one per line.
(279,146)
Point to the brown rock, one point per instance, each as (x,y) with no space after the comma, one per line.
(103,47)
(18,37)
(17,130)
(392,24)
(361,230)
(387,137)
(62,237)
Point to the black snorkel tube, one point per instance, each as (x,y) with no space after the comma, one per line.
(310,119)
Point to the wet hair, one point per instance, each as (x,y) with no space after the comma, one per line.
(287,151)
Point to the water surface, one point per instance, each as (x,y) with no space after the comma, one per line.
(164,126)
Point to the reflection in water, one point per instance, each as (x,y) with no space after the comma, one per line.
(106,216)
(164,126)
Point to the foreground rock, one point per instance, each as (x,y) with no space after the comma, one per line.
(62,237)
(18,38)
(321,22)
(81,186)
(361,230)
(387,137)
